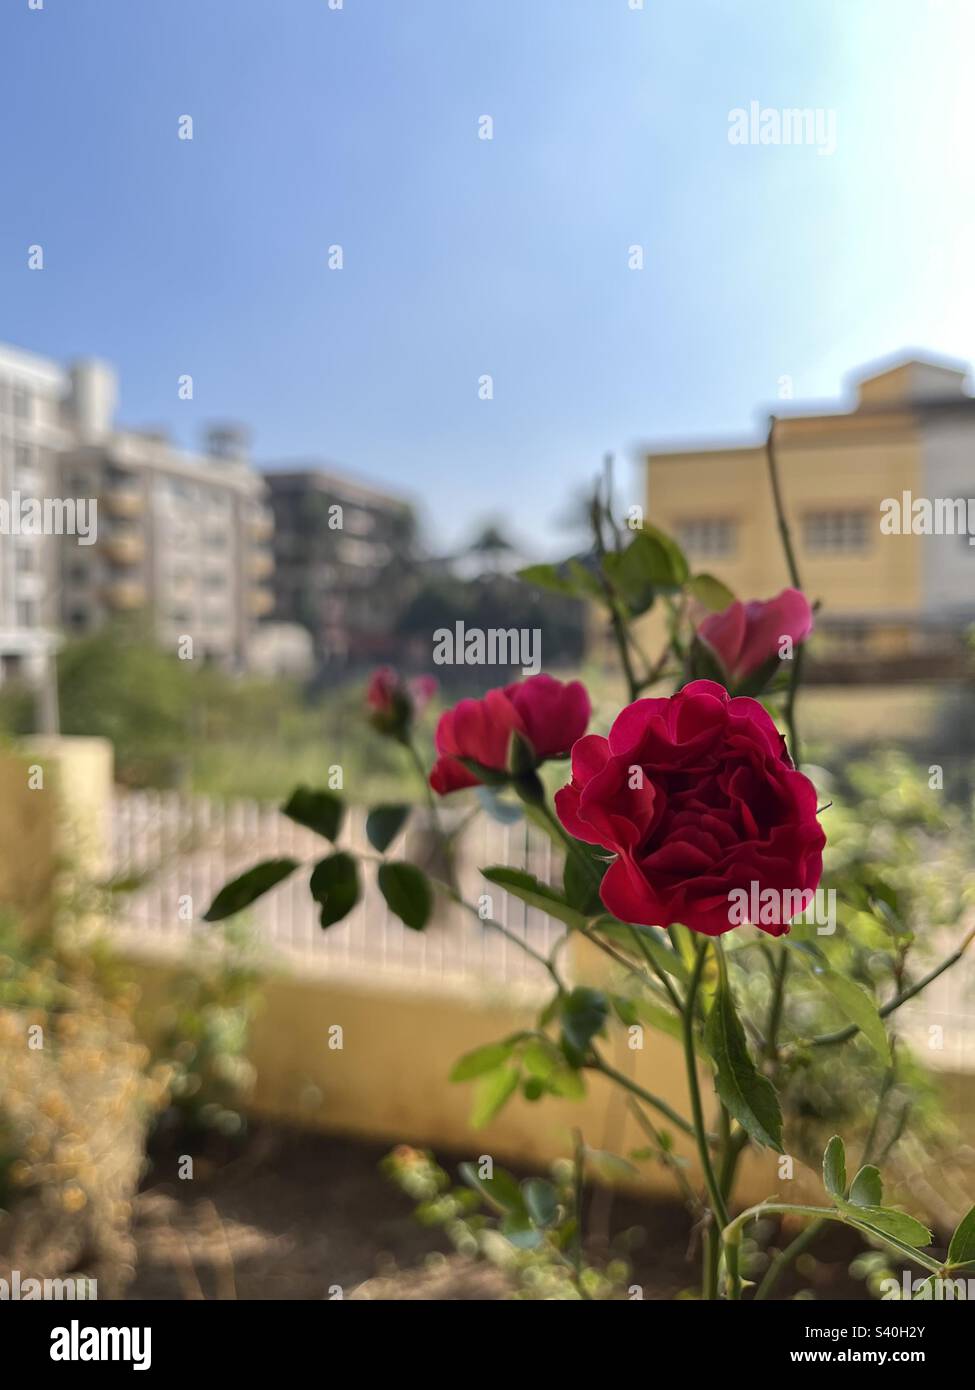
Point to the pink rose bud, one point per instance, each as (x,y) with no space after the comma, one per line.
(746,636)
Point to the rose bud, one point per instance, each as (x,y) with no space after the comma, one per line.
(745,638)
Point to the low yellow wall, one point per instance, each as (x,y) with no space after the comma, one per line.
(28,843)
(388,1080)
(55,802)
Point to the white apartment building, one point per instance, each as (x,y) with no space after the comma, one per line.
(181,538)
(32,433)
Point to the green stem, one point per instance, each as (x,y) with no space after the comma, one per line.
(580,1158)
(733,1231)
(842,1034)
(780,970)
(715,1197)
(785,1258)
(648,1098)
(793,567)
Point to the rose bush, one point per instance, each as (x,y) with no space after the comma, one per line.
(693,797)
(697,796)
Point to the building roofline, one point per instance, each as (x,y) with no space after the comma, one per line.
(845,418)
(326,476)
(20,359)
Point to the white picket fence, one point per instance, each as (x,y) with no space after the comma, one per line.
(187,848)
(181,850)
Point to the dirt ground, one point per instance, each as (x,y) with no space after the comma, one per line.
(299,1216)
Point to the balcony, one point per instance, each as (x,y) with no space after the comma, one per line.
(261,526)
(261,564)
(125,550)
(260,602)
(124,502)
(125,595)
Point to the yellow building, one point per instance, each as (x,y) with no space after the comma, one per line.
(853,483)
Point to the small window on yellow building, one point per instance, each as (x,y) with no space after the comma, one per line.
(709,537)
(835,532)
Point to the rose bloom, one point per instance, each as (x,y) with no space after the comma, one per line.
(745,636)
(549,714)
(697,796)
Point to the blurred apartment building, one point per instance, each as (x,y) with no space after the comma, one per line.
(887,599)
(181,538)
(31,436)
(344,563)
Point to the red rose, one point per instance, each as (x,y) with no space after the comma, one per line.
(746,636)
(698,798)
(548,714)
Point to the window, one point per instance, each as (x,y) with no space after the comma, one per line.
(26,612)
(711,536)
(21,402)
(835,533)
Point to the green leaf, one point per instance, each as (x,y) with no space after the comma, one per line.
(566,1083)
(407,892)
(585,582)
(581,877)
(748,1096)
(660,1017)
(856,1004)
(631,573)
(545,1064)
(540,1059)
(481,1060)
(241,892)
(679,569)
(897,1225)
(384,823)
(501,1189)
(711,592)
(335,885)
(834,1167)
(518,1228)
(319,811)
(867,1188)
(492,1093)
(549,577)
(584,1012)
(528,888)
(541,1201)
(961,1251)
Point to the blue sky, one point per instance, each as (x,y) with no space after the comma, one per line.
(358,126)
